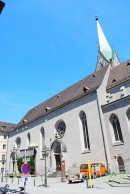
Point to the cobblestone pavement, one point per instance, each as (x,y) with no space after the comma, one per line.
(57,187)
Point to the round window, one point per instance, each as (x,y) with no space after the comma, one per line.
(61,127)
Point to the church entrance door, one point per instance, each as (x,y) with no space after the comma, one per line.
(58,162)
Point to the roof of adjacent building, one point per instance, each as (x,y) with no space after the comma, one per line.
(82,88)
(6,127)
(119,74)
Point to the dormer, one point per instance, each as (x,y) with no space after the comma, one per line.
(3,127)
(122,91)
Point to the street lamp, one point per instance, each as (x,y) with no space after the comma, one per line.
(2,5)
(45,153)
(2,169)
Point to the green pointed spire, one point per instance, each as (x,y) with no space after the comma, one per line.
(106,54)
(104,47)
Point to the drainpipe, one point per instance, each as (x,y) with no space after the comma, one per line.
(102,131)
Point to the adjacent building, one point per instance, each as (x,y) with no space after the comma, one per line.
(5,129)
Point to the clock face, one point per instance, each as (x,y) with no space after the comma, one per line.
(61,129)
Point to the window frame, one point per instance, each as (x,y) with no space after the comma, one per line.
(85,133)
(128,118)
(4,146)
(116,130)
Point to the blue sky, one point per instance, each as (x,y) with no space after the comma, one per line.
(48,45)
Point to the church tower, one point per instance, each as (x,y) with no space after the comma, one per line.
(106,55)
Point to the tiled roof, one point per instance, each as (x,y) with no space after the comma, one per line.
(119,74)
(6,127)
(82,88)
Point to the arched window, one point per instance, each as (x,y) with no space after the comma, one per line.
(116,128)
(128,118)
(85,130)
(121,165)
(43,137)
(28,139)
(128,114)
(18,142)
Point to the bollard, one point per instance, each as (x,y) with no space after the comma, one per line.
(18,181)
(86,182)
(12,180)
(25,187)
(34,182)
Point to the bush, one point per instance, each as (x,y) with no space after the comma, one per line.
(20,163)
(32,164)
(11,175)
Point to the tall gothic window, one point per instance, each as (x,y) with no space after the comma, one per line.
(128,118)
(18,142)
(85,130)
(116,128)
(128,114)
(28,139)
(43,137)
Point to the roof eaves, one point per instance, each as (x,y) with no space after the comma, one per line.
(118,83)
(57,108)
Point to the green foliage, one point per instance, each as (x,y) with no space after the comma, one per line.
(11,175)
(113,174)
(32,164)
(20,163)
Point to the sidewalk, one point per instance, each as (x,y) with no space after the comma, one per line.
(56,186)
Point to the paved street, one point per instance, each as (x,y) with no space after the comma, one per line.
(56,186)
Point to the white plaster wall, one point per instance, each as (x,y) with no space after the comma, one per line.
(117,92)
(119,108)
(73,136)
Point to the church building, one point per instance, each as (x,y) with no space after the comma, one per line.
(89,120)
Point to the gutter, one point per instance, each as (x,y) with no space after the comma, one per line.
(55,109)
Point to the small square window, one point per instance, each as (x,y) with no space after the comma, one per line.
(4,146)
(3,127)
(3,156)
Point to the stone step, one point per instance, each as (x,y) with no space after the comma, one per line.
(55,174)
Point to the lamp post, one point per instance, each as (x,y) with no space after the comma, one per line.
(2,5)
(14,155)
(45,153)
(2,169)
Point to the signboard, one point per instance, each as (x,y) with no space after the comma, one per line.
(26,169)
(26,178)
(29,152)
